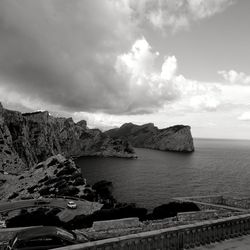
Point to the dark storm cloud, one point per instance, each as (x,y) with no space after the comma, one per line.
(57,52)
(67,54)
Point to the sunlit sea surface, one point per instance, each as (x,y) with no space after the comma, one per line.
(216,167)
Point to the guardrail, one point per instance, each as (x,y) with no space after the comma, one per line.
(175,238)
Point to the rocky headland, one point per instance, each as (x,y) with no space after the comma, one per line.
(176,138)
(29,138)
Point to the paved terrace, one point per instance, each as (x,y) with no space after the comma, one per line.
(240,243)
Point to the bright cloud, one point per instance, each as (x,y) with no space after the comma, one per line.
(244,116)
(148,88)
(235,78)
(169,68)
(160,87)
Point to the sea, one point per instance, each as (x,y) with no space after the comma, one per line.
(216,167)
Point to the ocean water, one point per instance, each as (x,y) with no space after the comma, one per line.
(216,167)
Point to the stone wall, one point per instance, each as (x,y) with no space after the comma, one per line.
(175,238)
(198,216)
(217,202)
(237,202)
(116,224)
(243,203)
(214,199)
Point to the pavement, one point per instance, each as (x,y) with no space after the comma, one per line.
(240,243)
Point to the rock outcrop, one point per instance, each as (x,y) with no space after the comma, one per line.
(26,139)
(176,138)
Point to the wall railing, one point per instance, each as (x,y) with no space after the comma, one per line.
(175,238)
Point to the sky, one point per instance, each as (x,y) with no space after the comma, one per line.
(110,62)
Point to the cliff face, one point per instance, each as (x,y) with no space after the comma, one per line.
(26,139)
(176,138)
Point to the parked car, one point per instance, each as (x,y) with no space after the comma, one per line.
(42,238)
(71,204)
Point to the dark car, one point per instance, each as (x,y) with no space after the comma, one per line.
(44,238)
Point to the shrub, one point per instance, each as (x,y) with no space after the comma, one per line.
(13,196)
(68,191)
(43,179)
(171,209)
(79,181)
(44,191)
(31,189)
(103,189)
(107,214)
(41,216)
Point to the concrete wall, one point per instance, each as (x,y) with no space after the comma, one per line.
(176,238)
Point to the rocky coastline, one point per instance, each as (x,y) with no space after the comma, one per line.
(29,138)
(36,160)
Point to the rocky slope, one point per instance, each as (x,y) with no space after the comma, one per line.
(176,138)
(26,139)
(55,176)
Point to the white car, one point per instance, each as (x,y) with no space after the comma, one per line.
(2,224)
(71,204)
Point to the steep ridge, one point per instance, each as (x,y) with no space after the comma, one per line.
(175,138)
(26,139)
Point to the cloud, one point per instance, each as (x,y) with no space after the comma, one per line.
(176,15)
(206,8)
(169,68)
(63,54)
(197,96)
(155,88)
(234,77)
(86,56)
(244,116)
(148,88)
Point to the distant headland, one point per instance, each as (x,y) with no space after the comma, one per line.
(176,138)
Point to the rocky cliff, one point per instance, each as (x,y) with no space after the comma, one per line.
(26,139)
(176,138)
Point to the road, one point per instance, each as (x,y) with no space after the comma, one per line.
(14,205)
(66,214)
(83,207)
